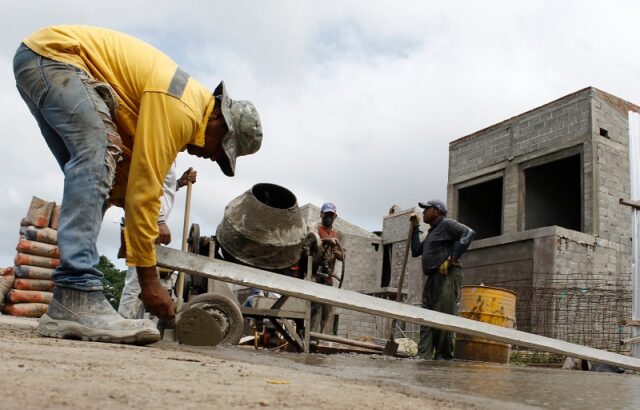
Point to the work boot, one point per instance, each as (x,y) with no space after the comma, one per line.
(87,315)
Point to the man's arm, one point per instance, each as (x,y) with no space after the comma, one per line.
(416,244)
(463,236)
(165,126)
(339,251)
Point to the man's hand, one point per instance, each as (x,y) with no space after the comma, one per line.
(330,241)
(414,219)
(154,296)
(122,252)
(189,175)
(164,235)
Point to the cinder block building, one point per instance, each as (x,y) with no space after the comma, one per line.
(542,191)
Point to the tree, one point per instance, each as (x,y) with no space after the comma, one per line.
(112,281)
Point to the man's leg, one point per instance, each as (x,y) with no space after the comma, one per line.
(130,306)
(316,317)
(425,345)
(446,303)
(325,317)
(75,121)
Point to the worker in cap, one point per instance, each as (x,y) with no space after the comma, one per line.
(441,250)
(115,112)
(330,250)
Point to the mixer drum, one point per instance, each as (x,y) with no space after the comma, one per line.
(263,228)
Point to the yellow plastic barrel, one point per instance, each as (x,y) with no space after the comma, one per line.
(490,305)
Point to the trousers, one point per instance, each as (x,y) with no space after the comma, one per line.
(442,294)
(74,113)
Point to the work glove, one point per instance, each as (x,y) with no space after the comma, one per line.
(444,267)
(414,218)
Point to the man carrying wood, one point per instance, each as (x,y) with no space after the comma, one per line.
(441,250)
(115,112)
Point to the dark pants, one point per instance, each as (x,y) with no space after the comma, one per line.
(442,294)
(319,316)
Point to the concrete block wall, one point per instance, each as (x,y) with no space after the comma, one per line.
(613,175)
(591,291)
(567,283)
(394,232)
(362,271)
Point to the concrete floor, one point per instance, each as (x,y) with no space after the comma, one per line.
(478,384)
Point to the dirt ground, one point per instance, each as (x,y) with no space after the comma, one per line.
(42,373)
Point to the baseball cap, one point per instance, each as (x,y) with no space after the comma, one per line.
(245,130)
(434,203)
(328,207)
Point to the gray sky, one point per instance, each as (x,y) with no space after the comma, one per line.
(359,99)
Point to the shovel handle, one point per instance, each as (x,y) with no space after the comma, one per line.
(185,235)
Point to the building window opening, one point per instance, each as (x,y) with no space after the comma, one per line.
(386,265)
(553,194)
(604,133)
(480,208)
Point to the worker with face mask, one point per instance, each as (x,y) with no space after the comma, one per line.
(324,264)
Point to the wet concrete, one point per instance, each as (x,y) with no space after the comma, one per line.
(472,384)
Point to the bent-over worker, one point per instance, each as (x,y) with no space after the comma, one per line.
(115,112)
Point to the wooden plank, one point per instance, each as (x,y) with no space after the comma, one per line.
(292,331)
(349,342)
(293,339)
(630,322)
(629,202)
(630,341)
(250,277)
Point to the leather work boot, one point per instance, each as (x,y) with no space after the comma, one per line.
(87,315)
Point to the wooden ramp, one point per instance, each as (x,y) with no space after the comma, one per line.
(247,276)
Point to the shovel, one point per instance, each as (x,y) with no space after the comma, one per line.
(391,347)
(185,235)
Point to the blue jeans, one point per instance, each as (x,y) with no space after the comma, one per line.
(75,114)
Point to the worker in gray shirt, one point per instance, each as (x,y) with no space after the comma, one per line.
(441,250)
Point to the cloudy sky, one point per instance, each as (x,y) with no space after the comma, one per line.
(359,99)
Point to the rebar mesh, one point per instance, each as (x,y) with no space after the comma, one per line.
(583,308)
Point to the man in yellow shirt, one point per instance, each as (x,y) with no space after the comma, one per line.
(115,112)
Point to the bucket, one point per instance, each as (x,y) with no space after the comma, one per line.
(489,305)
(263,228)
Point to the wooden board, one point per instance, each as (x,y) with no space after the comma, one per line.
(250,277)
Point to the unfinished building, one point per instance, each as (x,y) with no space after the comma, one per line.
(542,191)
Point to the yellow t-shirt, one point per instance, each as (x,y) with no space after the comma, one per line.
(160,110)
